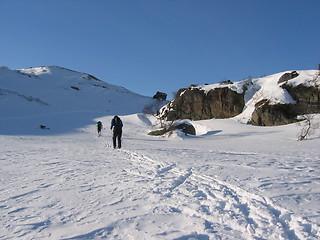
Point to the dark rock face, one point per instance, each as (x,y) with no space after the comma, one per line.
(307,102)
(222,102)
(160,96)
(196,104)
(184,127)
(307,98)
(288,76)
(273,115)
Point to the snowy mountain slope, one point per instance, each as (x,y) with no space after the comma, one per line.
(55,96)
(233,182)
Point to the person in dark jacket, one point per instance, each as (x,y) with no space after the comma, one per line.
(116,125)
(99,128)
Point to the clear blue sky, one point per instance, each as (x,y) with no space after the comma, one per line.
(162,45)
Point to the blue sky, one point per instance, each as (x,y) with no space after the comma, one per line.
(162,45)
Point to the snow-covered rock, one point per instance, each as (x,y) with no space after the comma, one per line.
(261,101)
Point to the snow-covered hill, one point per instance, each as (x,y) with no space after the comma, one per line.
(261,101)
(231,181)
(55,96)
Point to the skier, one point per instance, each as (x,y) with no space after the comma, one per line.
(117,125)
(99,128)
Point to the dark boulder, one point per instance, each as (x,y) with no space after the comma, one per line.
(288,76)
(186,128)
(160,96)
(75,88)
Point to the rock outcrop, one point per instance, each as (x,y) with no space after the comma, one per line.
(196,104)
(269,101)
(288,76)
(307,101)
(307,98)
(160,96)
(266,114)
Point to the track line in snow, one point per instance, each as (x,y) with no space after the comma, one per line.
(253,216)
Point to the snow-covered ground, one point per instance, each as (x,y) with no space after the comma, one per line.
(234,181)
(231,181)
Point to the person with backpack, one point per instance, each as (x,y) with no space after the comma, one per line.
(99,128)
(117,125)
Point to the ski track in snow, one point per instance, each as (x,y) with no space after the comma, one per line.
(143,198)
(247,213)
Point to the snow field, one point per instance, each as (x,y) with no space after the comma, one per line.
(221,185)
(231,181)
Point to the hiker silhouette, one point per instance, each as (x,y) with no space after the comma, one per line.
(116,125)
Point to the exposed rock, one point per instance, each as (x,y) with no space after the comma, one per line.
(196,104)
(186,128)
(43,127)
(288,76)
(160,96)
(307,98)
(226,82)
(158,132)
(93,77)
(307,102)
(276,101)
(273,115)
(75,88)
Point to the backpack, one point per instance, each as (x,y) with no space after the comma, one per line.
(117,122)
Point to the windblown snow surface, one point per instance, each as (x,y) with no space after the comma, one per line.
(231,181)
